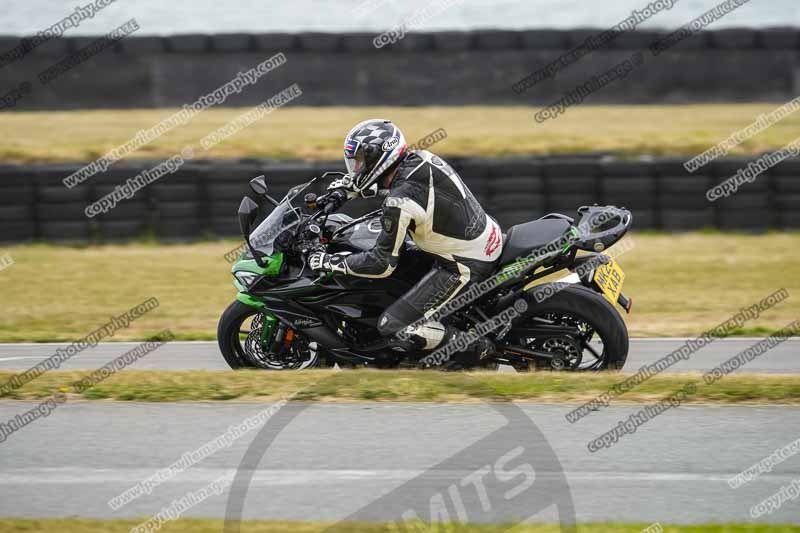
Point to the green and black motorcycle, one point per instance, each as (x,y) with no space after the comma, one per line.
(288,317)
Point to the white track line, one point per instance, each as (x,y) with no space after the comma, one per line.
(71,475)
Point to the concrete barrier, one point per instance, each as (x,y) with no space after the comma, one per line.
(441,68)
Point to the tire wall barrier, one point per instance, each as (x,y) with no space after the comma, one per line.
(201,199)
(445,68)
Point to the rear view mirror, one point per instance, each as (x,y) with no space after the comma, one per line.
(248,212)
(259,185)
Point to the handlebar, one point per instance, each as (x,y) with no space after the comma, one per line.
(330,207)
(332,200)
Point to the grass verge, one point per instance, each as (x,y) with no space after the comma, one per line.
(402,386)
(472,131)
(214,526)
(681,285)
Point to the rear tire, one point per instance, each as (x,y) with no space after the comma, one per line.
(587,306)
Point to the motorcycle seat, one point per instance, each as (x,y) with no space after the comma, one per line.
(523,238)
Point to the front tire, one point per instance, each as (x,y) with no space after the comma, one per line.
(241,346)
(228,333)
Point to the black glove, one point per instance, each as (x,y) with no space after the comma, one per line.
(333,200)
(324,262)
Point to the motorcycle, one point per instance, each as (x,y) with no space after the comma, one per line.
(288,317)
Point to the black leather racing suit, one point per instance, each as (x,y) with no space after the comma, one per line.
(428,199)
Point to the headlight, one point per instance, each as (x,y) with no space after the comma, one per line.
(246,278)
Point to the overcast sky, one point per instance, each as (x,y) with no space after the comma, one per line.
(20,17)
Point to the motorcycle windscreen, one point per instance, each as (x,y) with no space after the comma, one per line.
(284,217)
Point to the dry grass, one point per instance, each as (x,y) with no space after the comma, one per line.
(403,386)
(472,131)
(681,285)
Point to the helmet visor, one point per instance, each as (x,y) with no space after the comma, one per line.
(354,157)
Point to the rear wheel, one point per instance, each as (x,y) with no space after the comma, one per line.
(249,338)
(578,326)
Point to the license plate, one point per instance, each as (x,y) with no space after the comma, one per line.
(610,278)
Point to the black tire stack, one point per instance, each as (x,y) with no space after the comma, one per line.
(516,192)
(570,184)
(629,184)
(748,208)
(681,197)
(177,201)
(60,212)
(17,198)
(785,192)
(201,199)
(130,218)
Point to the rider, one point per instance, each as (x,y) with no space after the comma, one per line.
(426,197)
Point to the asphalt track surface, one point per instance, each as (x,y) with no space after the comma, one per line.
(379,459)
(785,358)
(333,459)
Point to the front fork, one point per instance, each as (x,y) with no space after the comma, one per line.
(268,323)
(271,328)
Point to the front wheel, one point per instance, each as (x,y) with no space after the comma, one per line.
(247,339)
(578,326)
